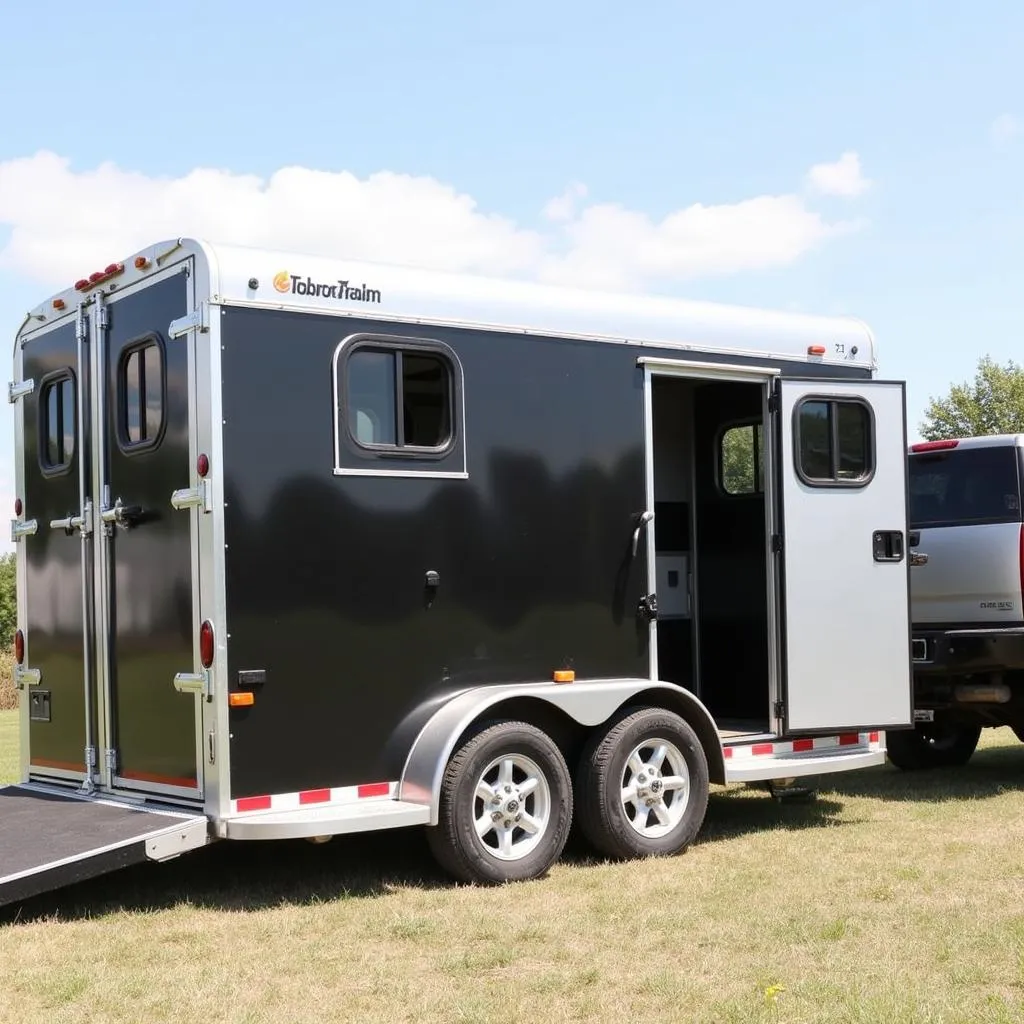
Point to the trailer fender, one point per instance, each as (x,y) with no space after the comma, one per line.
(587,703)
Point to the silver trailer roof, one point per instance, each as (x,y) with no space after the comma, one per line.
(283,280)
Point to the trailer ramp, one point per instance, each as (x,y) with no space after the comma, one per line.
(50,838)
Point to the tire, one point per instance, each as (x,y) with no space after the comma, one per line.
(935,744)
(611,822)
(499,755)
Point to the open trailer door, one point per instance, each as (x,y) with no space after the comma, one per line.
(845,588)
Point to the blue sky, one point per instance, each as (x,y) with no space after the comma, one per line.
(917,229)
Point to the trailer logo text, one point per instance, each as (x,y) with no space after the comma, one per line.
(345,290)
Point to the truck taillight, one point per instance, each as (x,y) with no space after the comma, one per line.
(206,644)
(19,647)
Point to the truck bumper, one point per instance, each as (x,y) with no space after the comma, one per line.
(967,651)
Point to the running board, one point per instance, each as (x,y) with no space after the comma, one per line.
(328,820)
(791,766)
(50,838)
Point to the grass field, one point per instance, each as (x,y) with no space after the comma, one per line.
(891,898)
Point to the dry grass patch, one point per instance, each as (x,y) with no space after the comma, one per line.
(8,694)
(893,897)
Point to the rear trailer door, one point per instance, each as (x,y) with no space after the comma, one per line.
(55,552)
(148,583)
(49,839)
(844,561)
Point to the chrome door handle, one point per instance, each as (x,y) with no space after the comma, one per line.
(121,514)
(645,519)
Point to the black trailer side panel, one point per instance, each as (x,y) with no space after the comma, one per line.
(325,574)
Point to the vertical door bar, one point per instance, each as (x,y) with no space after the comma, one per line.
(85,460)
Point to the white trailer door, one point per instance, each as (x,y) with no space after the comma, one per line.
(843,555)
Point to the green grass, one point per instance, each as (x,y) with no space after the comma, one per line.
(892,897)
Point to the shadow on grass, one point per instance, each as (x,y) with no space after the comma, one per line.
(244,876)
(991,772)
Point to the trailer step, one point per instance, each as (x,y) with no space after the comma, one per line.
(818,762)
(329,820)
(50,838)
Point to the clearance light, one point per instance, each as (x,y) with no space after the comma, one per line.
(81,284)
(59,303)
(19,647)
(933,446)
(241,700)
(203,465)
(206,644)
(18,507)
(815,350)
(141,263)
(565,675)
(99,276)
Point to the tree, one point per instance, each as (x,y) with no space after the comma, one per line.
(992,404)
(8,599)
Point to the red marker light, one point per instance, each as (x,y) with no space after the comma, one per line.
(81,284)
(113,268)
(933,446)
(815,350)
(19,647)
(18,507)
(206,643)
(203,465)
(95,276)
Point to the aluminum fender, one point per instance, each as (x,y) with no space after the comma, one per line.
(587,703)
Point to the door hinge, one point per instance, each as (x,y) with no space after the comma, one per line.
(773,402)
(22,528)
(198,320)
(81,326)
(19,389)
(110,760)
(193,497)
(776,543)
(104,316)
(780,709)
(212,746)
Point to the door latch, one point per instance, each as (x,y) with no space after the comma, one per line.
(121,515)
(643,520)
(72,523)
(648,607)
(887,545)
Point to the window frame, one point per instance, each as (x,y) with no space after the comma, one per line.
(124,443)
(397,459)
(834,481)
(43,427)
(757,492)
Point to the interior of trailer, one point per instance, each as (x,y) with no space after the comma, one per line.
(711,551)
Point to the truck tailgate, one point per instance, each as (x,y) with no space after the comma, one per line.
(50,838)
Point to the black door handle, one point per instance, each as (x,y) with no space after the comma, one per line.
(887,545)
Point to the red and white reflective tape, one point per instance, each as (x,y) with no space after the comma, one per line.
(315,798)
(801,746)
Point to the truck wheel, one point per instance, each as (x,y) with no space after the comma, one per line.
(505,808)
(642,785)
(935,744)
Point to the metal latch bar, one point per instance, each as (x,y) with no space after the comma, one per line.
(197,320)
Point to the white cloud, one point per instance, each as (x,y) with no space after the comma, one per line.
(64,221)
(1005,128)
(842,178)
(563,207)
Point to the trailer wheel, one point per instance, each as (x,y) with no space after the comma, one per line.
(505,808)
(935,744)
(642,785)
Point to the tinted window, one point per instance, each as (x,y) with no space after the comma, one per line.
(382,382)
(741,460)
(834,441)
(57,445)
(967,485)
(142,395)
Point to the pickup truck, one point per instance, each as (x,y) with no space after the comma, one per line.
(967,597)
